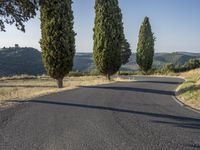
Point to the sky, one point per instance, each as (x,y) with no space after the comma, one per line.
(175,23)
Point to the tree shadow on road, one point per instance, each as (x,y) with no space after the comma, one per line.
(132,89)
(194,146)
(177,121)
(160,82)
(181,124)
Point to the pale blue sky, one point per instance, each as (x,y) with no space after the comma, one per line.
(176,24)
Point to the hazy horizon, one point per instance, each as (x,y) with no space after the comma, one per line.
(174,22)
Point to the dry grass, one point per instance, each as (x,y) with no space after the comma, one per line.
(189,92)
(26,87)
(21,88)
(119,79)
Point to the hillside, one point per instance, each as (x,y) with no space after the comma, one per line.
(17,61)
(83,62)
(177,58)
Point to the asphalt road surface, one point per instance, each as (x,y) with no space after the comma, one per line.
(138,115)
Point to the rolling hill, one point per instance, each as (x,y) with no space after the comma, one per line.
(17,61)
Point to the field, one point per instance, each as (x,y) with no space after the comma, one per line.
(21,88)
(189,92)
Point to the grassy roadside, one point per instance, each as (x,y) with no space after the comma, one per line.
(21,88)
(189,92)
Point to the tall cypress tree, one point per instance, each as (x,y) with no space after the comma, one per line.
(145,47)
(58,38)
(126,52)
(108,37)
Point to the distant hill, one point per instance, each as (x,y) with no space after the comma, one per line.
(177,58)
(17,61)
(83,62)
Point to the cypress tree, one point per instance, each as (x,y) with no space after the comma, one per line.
(108,37)
(145,47)
(58,38)
(126,52)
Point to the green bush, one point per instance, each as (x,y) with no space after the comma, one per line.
(192,64)
(169,67)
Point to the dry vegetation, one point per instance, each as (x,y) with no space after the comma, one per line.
(26,87)
(189,92)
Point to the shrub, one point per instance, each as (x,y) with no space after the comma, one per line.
(169,67)
(192,64)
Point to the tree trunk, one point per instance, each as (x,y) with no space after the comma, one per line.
(108,77)
(60,83)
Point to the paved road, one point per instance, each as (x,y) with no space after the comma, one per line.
(121,116)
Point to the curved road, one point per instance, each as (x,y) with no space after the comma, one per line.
(138,115)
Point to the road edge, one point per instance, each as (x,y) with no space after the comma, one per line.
(178,101)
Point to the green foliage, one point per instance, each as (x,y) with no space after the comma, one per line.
(17,11)
(189,65)
(58,37)
(126,52)
(17,61)
(169,67)
(192,64)
(145,47)
(108,37)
